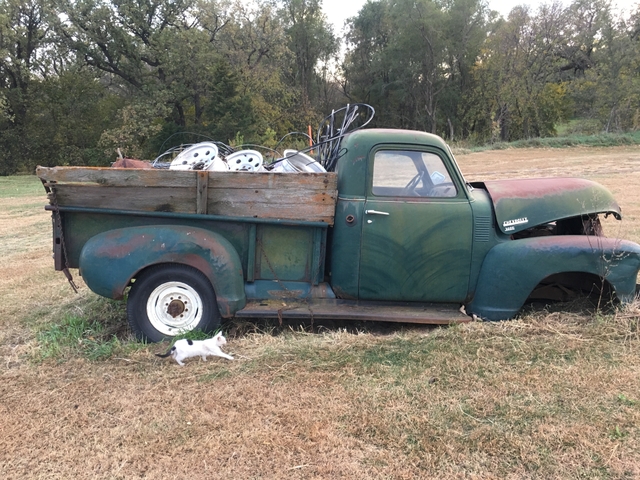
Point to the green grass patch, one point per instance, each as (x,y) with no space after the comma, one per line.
(599,140)
(21,186)
(75,335)
(94,328)
(573,140)
(626,401)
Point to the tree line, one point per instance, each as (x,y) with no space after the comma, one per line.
(80,79)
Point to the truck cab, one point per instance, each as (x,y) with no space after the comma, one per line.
(404,220)
(408,227)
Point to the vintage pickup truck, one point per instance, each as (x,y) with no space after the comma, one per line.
(394,234)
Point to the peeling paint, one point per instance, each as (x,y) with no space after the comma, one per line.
(544,200)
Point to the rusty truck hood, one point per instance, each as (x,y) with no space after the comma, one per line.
(526,203)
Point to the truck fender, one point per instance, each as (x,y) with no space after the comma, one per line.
(110,260)
(511,270)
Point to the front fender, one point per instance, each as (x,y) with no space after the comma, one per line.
(109,260)
(511,270)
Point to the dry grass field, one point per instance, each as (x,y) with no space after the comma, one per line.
(554,394)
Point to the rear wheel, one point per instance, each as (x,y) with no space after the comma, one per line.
(168,300)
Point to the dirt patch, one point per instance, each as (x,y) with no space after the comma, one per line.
(551,162)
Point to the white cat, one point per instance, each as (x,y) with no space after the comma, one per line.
(186,348)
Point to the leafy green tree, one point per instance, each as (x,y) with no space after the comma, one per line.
(583,24)
(144,43)
(607,89)
(66,117)
(198,67)
(517,92)
(226,114)
(24,35)
(412,60)
(366,72)
(256,46)
(466,29)
(310,38)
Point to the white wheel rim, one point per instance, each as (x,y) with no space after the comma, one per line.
(173,308)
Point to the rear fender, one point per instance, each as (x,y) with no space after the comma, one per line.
(511,270)
(110,260)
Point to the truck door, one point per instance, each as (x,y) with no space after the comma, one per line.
(416,231)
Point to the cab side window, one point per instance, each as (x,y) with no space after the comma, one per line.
(405,173)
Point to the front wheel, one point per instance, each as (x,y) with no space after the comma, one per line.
(168,300)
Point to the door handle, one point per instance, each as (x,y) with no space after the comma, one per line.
(375,212)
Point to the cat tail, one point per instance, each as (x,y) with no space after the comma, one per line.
(165,355)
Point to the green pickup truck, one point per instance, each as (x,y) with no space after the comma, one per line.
(394,234)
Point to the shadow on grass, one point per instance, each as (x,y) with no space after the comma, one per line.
(237,328)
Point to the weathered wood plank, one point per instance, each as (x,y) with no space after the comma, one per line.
(277,181)
(118,177)
(150,199)
(178,178)
(306,212)
(270,204)
(303,196)
(272,197)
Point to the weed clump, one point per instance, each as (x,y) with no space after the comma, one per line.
(94,329)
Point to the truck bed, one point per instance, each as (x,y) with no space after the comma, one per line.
(309,197)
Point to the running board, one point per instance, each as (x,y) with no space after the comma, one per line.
(332,309)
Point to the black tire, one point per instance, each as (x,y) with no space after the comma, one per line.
(167,300)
